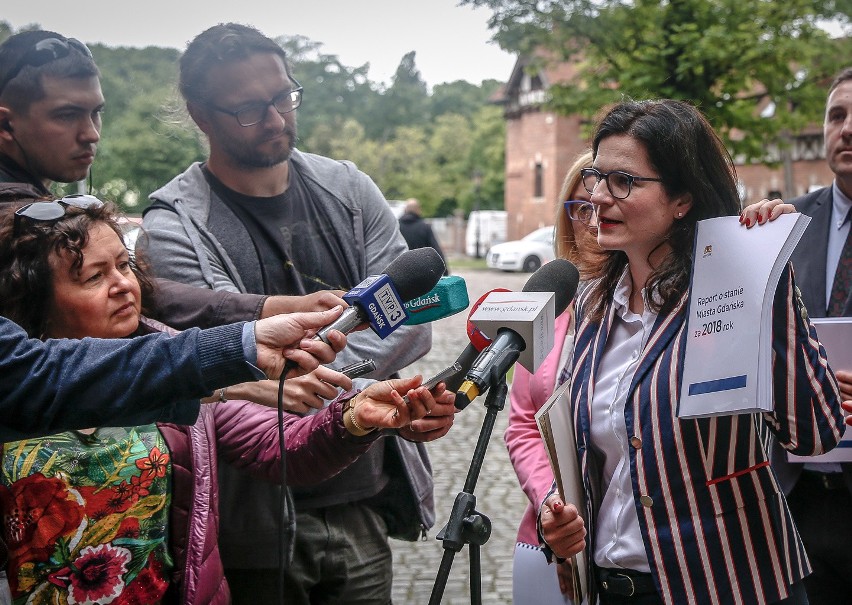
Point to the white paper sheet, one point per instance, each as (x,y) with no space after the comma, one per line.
(727,363)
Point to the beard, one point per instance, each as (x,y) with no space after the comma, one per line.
(278,148)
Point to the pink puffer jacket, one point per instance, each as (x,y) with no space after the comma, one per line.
(246,435)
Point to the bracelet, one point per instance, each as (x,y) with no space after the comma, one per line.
(356,429)
(222,398)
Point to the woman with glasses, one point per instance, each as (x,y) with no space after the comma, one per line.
(533,580)
(679,511)
(130,514)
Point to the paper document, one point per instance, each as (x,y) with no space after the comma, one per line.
(835,334)
(728,359)
(556,425)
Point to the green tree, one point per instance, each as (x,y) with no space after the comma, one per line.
(146,138)
(725,56)
(488,155)
(437,166)
(143,148)
(346,139)
(334,93)
(405,103)
(461,97)
(130,73)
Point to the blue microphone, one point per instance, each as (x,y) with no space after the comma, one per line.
(379,299)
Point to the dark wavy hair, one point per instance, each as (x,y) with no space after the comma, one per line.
(691,159)
(223,43)
(26,276)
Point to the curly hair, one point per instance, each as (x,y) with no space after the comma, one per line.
(26,276)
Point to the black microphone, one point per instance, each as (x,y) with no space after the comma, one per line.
(478,341)
(558,276)
(379,299)
(465,361)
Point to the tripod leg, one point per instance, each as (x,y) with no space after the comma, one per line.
(466,525)
(441,578)
(475,575)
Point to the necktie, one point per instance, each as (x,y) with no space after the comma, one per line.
(842,278)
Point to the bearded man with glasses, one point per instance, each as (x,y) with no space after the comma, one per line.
(260,216)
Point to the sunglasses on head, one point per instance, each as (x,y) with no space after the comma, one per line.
(42,53)
(53,210)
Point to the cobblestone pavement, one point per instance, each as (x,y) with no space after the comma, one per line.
(498,495)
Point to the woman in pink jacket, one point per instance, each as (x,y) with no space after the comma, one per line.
(127,515)
(533,580)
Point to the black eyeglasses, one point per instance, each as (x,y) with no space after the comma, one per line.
(53,210)
(254,113)
(580,210)
(619,183)
(42,53)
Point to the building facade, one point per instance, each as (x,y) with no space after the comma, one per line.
(541,146)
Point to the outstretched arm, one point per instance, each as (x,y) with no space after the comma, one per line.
(57,385)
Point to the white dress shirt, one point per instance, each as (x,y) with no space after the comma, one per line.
(618,539)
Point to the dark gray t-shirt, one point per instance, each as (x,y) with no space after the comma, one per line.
(293,237)
(299,253)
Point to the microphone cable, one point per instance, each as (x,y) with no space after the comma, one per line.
(285,498)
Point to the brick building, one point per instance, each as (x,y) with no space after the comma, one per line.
(541,145)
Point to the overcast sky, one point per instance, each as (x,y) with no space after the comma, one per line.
(452,42)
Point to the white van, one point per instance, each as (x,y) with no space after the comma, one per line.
(491,226)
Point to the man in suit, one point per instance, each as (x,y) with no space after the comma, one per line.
(820,495)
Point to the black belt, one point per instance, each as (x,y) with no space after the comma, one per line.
(828,481)
(625,582)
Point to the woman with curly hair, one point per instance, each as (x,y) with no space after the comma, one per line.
(128,515)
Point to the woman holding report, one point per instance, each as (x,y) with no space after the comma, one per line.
(679,510)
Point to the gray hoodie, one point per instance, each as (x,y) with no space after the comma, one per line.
(188,230)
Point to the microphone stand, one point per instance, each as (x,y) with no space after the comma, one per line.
(467,525)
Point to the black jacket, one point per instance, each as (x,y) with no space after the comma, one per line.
(418,234)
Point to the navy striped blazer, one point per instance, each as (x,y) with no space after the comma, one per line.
(714,522)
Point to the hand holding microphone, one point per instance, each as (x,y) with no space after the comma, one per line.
(283,342)
(379,299)
(381,405)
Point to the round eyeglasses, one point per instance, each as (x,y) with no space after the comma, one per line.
(580,210)
(52,210)
(618,182)
(254,113)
